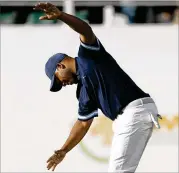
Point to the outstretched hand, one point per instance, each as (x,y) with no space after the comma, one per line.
(55,159)
(50,10)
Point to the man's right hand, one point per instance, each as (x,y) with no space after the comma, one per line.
(55,159)
(51,11)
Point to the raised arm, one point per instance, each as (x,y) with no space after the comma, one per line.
(53,13)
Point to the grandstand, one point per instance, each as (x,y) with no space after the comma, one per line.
(94,12)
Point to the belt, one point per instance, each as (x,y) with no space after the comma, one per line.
(138,102)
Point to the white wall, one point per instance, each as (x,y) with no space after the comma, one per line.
(35,122)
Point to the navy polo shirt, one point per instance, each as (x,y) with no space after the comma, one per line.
(102,83)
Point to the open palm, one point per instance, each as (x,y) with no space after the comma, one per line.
(55,159)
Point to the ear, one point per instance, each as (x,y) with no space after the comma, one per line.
(61,66)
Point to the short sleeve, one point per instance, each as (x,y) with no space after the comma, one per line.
(90,51)
(87,106)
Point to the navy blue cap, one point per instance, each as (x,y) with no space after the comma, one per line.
(50,68)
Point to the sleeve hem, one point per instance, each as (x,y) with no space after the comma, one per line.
(91,47)
(89,116)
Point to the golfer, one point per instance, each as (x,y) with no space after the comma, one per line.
(101,84)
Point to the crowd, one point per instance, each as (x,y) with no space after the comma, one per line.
(95,14)
(166,14)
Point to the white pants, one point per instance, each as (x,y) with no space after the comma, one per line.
(132,130)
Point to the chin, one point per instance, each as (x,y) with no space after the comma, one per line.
(75,82)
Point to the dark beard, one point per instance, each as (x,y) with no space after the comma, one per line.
(75,79)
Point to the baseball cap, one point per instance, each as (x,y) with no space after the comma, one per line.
(50,68)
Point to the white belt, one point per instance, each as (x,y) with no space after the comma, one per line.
(142,101)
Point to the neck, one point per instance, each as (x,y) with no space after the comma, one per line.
(73,65)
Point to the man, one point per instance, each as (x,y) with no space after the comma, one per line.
(102,84)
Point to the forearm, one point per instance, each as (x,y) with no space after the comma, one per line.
(76,135)
(52,13)
(75,23)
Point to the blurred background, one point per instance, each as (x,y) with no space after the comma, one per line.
(143,38)
(95,12)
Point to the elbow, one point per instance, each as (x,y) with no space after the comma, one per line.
(90,30)
(87,31)
(87,26)
(86,124)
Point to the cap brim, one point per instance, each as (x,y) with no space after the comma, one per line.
(56,85)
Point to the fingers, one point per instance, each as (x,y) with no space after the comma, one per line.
(50,159)
(52,163)
(43,17)
(39,6)
(54,166)
(54,160)
(42,6)
(49,166)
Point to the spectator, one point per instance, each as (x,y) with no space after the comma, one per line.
(163,14)
(129,8)
(164,17)
(176,16)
